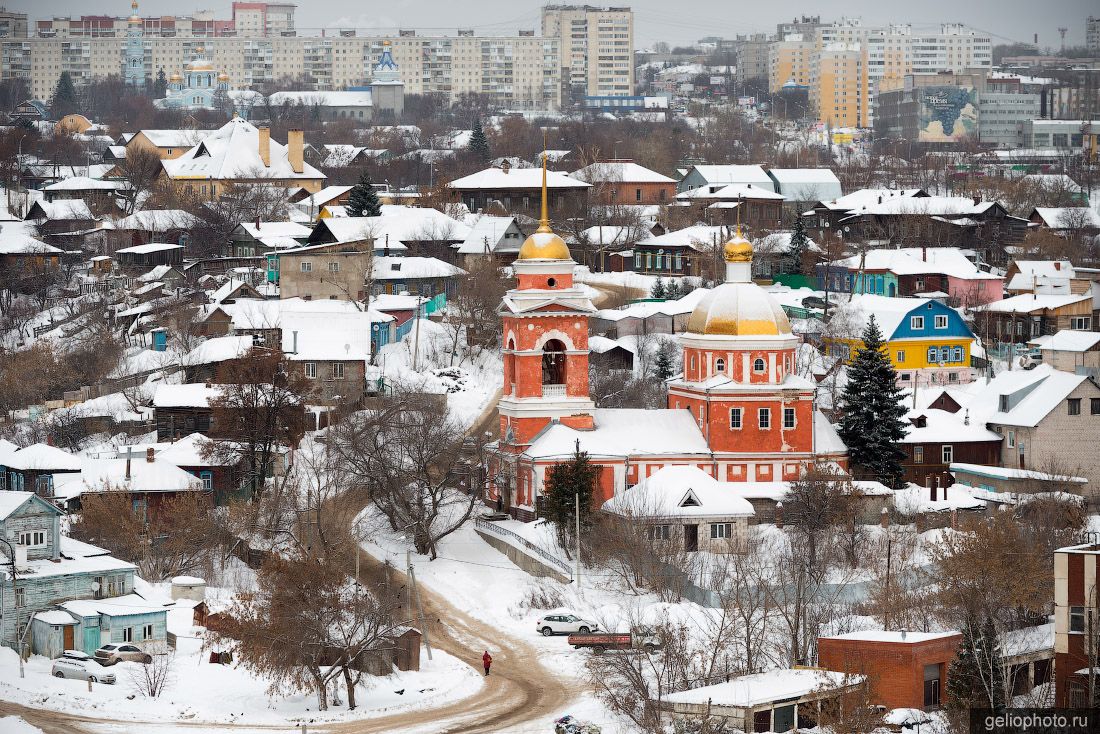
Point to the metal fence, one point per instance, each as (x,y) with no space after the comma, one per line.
(523,544)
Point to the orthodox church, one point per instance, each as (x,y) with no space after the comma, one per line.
(202,87)
(738,411)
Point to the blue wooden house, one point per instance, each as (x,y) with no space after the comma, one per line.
(51,569)
(86,624)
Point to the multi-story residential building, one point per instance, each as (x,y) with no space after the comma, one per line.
(1092,34)
(753,52)
(597,48)
(263,19)
(789,61)
(516,71)
(12,24)
(1076,620)
(248,19)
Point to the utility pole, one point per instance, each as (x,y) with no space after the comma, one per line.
(577,514)
(414,594)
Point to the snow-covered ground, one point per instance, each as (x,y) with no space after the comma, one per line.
(16,725)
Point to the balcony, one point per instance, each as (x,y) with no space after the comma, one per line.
(553,391)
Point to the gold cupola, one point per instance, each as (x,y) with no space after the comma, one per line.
(543,244)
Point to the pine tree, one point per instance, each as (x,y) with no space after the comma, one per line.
(565,483)
(479,144)
(672,290)
(64,97)
(363,199)
(797,249)
(665,366)
(658,289)
(160,85)
(872,425)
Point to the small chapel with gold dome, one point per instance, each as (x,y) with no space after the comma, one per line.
(202,86)
(738,411)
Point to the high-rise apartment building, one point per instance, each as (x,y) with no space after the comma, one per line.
(752,56)
(1092,34)
(597,48)
(12,25)
(789,61)
(263,19)
(514,71)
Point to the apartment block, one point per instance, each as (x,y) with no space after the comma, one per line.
(789,61)
(753,53)
(515,71)
(1092,34)
(12,25)
(597,48)
(248,19)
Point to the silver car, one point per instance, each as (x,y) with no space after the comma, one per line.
(563,624)
(79,665)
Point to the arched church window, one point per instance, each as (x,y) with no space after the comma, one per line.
(758,365)
(720,366)
(553,363)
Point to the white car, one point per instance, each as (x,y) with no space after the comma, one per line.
(564,624)
(80,666)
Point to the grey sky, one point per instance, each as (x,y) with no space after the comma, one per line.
(675,21)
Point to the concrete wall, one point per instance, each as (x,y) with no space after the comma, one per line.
(530,564)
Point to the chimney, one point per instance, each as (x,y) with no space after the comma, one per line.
(779,515)
(149,455)
(1057,265)
(294,342)
(129,454)
(295,144)
(924,254)
(884,518)
(966,417)
(265,146)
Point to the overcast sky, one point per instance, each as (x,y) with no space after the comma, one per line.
(675,21)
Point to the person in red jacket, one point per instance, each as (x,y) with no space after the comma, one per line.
(487,660)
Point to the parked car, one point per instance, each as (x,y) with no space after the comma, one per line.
(79,665)
(603,641)
(563,624)
(116,652)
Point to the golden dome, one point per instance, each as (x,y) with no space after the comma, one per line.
(201,65)
(175,77)
(223,77)
(738,249)
(739,309)
(544,246)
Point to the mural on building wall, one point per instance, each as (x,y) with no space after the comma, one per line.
(947,114)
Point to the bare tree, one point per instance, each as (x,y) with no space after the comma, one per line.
(153,678)
(142,170)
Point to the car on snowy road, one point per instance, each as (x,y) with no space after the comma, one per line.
(116,652)
(79,665)
(564,624)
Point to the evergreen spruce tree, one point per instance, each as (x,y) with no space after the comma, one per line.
(64,100)
(963,677)
(658,289)
(872,424)
(565,483)
(672,290)
(363,199)
(160,85)
(479,144)
(797,248)
(665,365)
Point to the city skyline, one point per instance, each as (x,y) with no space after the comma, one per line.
(654,20)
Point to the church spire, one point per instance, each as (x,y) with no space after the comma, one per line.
(544,219)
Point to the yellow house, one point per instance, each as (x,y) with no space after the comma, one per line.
(928,343)
(239,153)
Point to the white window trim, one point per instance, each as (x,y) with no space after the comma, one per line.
(740,419)
(760,417)
(940,321)
(310,370)
(916,322)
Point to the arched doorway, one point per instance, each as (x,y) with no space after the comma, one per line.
(553,368)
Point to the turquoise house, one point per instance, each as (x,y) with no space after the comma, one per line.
(86,624)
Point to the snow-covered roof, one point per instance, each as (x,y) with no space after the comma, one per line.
(619,172)
(322,99)
(498,179)
(322,197)
(1032,302)
(275,229)
(888,312)
(941,426)
(1027,640)
(115,606)
(188,395)
(735,174)
(1065,217)
(7,448)
(624,432)
(83,183)
(917,261)
(405,268)
(41,457)
(55,617)
(915,499)
(64,209)
(399,224)
(1070,340)
(944,206)
(893,636)
(157,220)
(487,230)
(729,192)
(1000,472)
(11,500)
(826,438)
(858,200)
(679,491)
(173,138)
(148,248)
(21,244)
(219,349)
(806,184)
(232,152)
(775,685)
(192,450)
(698,237)
(155,274)
(97,475)
(1032,395)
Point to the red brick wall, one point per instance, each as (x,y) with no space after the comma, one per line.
(895,669)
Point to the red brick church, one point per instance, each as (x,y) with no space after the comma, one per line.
(738,412)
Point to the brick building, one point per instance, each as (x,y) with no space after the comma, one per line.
(1076,619)
(904,669)
(625,182)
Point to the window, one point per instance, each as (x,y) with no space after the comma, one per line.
(1094,406)
(720,366)
(901,356)
(956,354)
(735,418)
(1002,404)
(1080,323)
(307,266)
(788,417)
(758,365)
(916,323)
(918,454)
(20,598)
(32,538)
(207,481)
(948,453)
(127,634)
(720,530)
(941,322)
(933,354)
(334,267)
(1012,439)
(1076,619)
(147,632)
(311,369)
(1074,405)
(337,370)
(765,417)
(659,532)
